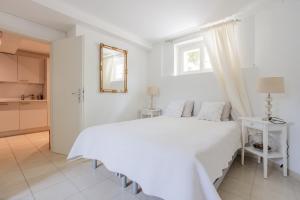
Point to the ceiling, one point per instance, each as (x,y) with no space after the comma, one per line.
(156,19)
(148,20)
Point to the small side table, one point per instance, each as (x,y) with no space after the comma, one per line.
(149,113)
(265,127)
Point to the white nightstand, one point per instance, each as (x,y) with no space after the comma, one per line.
(146,113)
(265,127)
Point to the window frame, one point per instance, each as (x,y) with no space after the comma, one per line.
(187,45)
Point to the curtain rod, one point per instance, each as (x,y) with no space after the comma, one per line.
(204,28)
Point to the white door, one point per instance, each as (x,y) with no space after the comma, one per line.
(66,91)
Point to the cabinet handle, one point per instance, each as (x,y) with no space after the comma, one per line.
(23,80)
(3,104)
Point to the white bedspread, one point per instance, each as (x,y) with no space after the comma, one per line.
(171,158)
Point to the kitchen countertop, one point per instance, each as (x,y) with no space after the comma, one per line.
(16,100)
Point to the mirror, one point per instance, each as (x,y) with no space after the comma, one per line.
(113,69)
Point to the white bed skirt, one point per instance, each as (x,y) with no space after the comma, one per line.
(171,158)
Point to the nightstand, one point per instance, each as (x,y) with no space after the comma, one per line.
(266,127)
(149,113)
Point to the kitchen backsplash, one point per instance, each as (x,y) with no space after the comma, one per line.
(15,90)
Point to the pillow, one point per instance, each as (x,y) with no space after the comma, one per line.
(226,112)
(211,111)
(234,114)
(175,108)
(188,108)
(197,106)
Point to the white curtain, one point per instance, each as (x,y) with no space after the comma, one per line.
(222,46)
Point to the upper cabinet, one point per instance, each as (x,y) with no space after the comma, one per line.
(8,67)
(31,69)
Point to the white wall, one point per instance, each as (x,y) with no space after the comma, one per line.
(103,108)
(196,87)
(27,28)
(270,43)
(277,48)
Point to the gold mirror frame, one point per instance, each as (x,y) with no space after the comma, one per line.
(108,90)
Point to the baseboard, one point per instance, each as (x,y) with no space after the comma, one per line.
(26,131)
(295,175)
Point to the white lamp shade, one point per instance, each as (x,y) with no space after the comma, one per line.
(270,85)
(153,91)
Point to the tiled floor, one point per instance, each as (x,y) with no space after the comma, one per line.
(28,170)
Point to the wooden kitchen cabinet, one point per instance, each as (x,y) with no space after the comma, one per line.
(9,116)
(8,67)
(33,115)
(31,69)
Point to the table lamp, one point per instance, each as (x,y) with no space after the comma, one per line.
(152,91)
(270,85)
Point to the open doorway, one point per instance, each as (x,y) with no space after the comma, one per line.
(24,85)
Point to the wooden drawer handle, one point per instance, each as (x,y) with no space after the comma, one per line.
(3,104)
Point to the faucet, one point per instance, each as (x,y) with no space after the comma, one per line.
(23,96)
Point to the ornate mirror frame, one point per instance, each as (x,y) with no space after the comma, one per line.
(109,90)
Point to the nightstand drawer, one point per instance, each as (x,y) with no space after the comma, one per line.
(254,125)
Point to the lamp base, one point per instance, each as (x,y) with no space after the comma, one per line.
(268,107)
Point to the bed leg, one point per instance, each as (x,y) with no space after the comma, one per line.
(135,188)
(94,164)
(124,181)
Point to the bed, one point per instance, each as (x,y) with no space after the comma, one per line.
(171,158)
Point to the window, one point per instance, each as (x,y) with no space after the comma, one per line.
(190,57)
(191,60)
(118,71)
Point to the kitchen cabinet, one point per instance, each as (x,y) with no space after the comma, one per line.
(33,115)
(31,69)
(9,116)
(8,67)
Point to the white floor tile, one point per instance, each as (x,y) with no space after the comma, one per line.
(28,167)
(18,190)
(76,196)
(11,177)
(84,181)
(230,196)
(39,170)
(104,190)
(125,196)
(143,196)
(46,180)
(57,192)
(236,187)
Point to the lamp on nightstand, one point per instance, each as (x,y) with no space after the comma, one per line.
(152,91)
(270,85)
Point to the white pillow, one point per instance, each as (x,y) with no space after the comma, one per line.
(175,108)
(211,111)
(188,108)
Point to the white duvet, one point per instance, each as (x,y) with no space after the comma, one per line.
(171,158)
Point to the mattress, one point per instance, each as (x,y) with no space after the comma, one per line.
(171,158)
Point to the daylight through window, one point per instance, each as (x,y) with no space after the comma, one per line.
(190,57)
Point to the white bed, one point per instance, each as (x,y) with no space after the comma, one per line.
(171,158)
